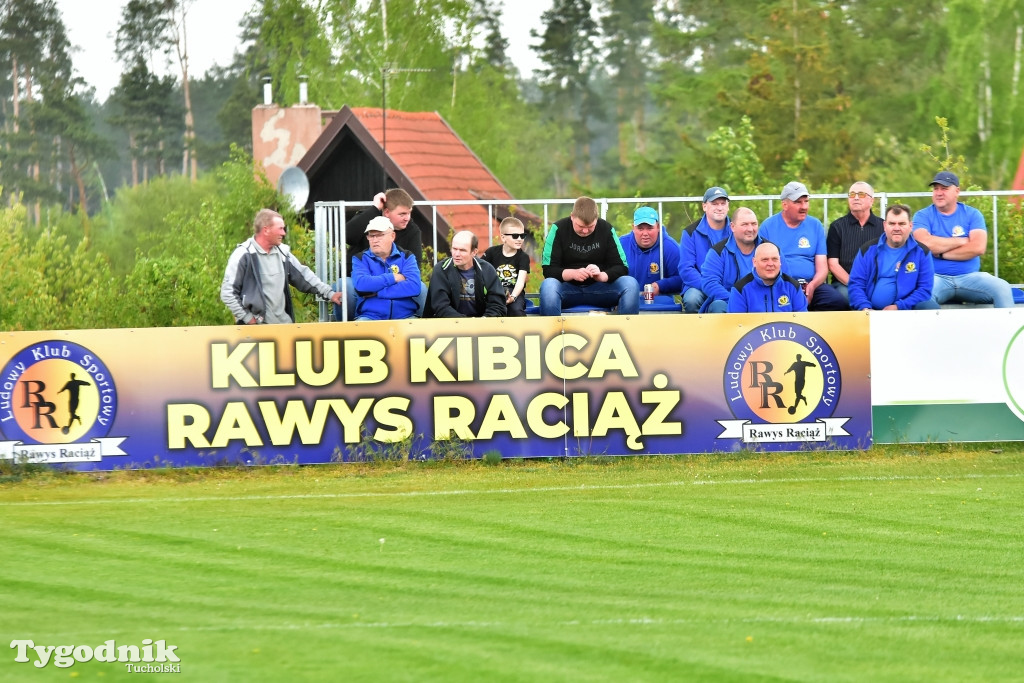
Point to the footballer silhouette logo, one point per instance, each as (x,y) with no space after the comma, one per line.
(782,373)
(56,392)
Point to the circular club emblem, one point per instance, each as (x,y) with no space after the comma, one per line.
(782,373)
(1013,373)
(56,392)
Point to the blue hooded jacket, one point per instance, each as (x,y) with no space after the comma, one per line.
(914,278)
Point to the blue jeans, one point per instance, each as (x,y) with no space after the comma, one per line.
(693,299)
(974,288)
(624,293)
(718,306)
(350,295)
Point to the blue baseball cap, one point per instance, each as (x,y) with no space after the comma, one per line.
(645,214)
(714,193)
(945,178)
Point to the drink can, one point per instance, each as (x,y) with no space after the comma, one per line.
(648,294)
(803,285)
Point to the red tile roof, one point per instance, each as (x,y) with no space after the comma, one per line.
(438,163)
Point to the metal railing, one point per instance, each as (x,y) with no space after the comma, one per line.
(332,253)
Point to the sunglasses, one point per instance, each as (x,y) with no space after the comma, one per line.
(860,195)
(515,235)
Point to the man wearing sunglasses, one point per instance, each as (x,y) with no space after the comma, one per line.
(848,233)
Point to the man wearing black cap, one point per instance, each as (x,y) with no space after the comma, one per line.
(697,239)
(801,239)
(957,236)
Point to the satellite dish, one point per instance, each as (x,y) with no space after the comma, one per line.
(294,185)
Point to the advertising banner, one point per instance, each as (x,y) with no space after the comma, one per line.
(950,375)
(522,387)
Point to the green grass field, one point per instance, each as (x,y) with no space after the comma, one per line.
(886,566)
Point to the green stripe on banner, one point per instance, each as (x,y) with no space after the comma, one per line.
(945,422)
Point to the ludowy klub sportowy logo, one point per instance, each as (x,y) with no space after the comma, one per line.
(57,404)
(782,384)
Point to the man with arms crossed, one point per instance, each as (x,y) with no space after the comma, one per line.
(956,236)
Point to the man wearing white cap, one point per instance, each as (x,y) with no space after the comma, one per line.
(652,261)
(386,279)
(801,239)
(697,239)
(957,236)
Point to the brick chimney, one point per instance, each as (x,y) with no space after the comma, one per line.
(282,136)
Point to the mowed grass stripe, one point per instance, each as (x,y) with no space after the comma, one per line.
(907,578)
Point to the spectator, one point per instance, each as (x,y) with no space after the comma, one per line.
(512,264)
(957,236)
(848,233)
(255,285)
(463,286)
(766,289)
(386,279)
(728,261)
(395,204)
(652,261)
(697,240)
(584,264)
(801,241)
(895,272)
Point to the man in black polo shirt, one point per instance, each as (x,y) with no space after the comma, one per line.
(847,234)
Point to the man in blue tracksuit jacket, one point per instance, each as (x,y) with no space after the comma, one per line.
(652,261)
(728,261)
(767,289)
(695,242)
(386,278)
(895,272)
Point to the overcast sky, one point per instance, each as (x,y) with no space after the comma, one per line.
(213,35)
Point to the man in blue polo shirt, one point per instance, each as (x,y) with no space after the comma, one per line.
(801,239)
(652,261)
(957,236)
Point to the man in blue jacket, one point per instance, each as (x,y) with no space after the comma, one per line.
(728,261)
(766,289)
(386,279)
(697,239)
(652,261)
(894,273)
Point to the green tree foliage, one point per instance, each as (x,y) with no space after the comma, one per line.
(569,51)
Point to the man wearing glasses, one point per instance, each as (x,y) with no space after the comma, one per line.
(652,261)
(848,233)
(386,279)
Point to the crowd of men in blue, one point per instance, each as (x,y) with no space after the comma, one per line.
(723,263)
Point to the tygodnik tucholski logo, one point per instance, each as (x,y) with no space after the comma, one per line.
(57,404)
(782,384)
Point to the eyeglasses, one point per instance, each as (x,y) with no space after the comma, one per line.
(515,235)
(860,195)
